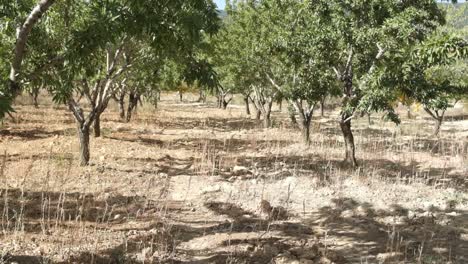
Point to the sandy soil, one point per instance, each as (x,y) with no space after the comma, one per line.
(185,184)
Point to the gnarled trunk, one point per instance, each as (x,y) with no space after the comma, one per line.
(322,107)
(306,130)
(266,121)
(292,114)
(202,96)
(121,102)
(306,112)
(97,126)
(83,134)
(132,103)
(438,116)
(350,149)
(34,96)
(267,114)
(437,125)
(247,105)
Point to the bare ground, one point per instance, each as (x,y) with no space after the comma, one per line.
(184,184)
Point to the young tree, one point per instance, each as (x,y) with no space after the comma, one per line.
(301,72)
(436,74)
(234,56)
(366,35)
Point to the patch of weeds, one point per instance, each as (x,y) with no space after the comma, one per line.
(4,256)
(62,160)
(106,131)
(427,259)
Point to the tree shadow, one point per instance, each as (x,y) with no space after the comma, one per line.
(217,124)
(35,133)
(26,259)
(167,164)
(40,211)
(368,232)
(413,173)
(139,139)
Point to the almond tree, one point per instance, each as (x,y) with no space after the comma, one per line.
(97,50)
(436,74)
(366,36)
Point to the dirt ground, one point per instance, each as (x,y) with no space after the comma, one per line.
(185,184)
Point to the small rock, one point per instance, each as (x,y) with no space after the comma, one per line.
(347,214)
(269,250)
(117,217)
(162,174)
(285,258)
(144,254)
(211,189)
(324,260)
(452,214)
(389,257)
(237,170)
(306,253)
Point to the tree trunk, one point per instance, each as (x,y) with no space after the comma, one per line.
(202,96)
(21,39)
(266,121)
(247,105)
(306,129)
(350,149)
(438,117)
(181,96)
(292,114)
(258,114)
(267,115)
(408,112)
(121,102)
(132,103)
(97,126)
(322,107)
(83,134)
(438,124)
(369,120)
(35,95)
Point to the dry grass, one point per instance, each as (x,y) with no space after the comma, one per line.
(185,183)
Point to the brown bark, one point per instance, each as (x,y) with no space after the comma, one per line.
(438,117)
(350,149)
(121,102)
(247,105)
(34,96)
(132,104)
(322,107)
(83,134)
(266,111)
(97,126)
(438,124)
(306,111)
(306,130)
